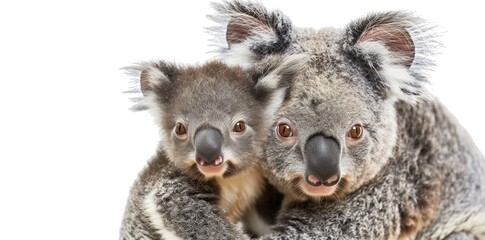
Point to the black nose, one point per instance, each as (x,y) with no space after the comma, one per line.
(208,145)
(323,161)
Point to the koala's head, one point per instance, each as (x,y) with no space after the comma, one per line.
(214,118)
(337,128)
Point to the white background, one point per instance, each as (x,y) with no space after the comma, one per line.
(69,146)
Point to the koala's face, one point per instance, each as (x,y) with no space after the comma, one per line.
(331,135)
(212,123)
(337,128)
(214,118)
(210,120)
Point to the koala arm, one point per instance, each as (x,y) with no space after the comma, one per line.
(165,204)
(136,222)
(175,208)
(135,225)
(372,212)
(185,207)
(337,221)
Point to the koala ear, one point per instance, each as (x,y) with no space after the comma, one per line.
(157,77)
(273,76)
(154,79)
(250,31)
(395,47)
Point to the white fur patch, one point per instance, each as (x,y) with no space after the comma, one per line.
(397,75)
(475,225)
(155,76)
(240,55)
(293,63)
(274,103)
(228,155)
(150,100)
(270,81)
(150,210)
(468,222)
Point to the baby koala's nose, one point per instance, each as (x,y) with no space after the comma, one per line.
(208,145)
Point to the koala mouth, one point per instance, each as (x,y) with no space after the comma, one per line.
(218,168)
(317,191)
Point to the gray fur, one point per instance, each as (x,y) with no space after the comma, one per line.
(416,172)
(170,196)
(171,187)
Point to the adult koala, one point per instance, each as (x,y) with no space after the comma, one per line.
(359,147)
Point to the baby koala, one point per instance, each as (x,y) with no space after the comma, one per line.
(214,120)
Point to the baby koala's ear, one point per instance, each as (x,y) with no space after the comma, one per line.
(157,77)
(154,80)
(274,76)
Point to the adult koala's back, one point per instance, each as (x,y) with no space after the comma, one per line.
(359,130)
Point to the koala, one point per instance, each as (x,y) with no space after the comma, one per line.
(359,147)
(213,121)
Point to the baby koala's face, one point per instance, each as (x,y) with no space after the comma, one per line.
(213,118)
(212,122)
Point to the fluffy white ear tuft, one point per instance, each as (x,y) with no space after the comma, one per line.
(240,55)
(151,77)
(274,75)
(250,32)
(394,37)
(281,71)
(397,46)
(152,80)
(242,28)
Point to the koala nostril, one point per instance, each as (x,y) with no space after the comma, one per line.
(332,181)
(203,162)
(218,161)
(313,179)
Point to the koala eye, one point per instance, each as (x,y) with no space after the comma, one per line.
(180,129)
(356,132)
(284,130)
(239,127)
